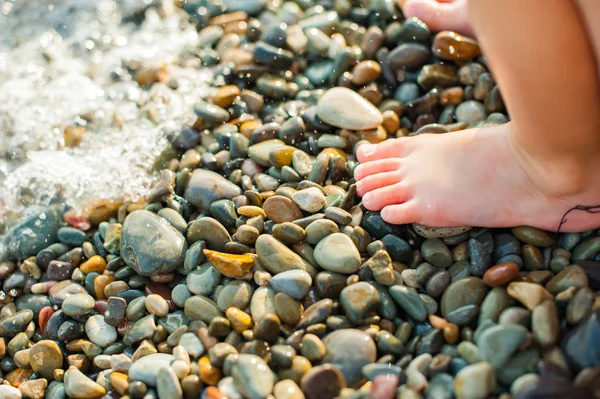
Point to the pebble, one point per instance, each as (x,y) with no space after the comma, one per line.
(277,258)
(34,233)
(322,382)
(211,231)
(233,266)
(294,283)
(168,385)
(287,389)
(204,280)
(146,368)
(205,187)
(99,332)
(532,236)
(350,363)
(346,109)
(160,254)
(44,357)
(10,392)
(281,209)
(455,47)
(498,343)
(439,232)
(500,274)
(408,55)
(475,381)
(528,294)
(410,301)
(337,253)
(359,301)
(79,386)
(462,292)
(436,252)
(309,199)
(470,112)
(545,324)
(252,377)
(78,305)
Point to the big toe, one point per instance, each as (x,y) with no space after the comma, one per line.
(438,15)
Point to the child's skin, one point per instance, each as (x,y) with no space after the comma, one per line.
(544,55)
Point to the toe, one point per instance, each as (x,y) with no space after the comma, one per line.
(376,181)
(440,15)
(388,149)
(395,194)
(400,213)
(371,168)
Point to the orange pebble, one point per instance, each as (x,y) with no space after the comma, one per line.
(214,393)
(17,376)
(100,283)
(94,264)
(209,374)
(451,332)
(500,274)
(437,322)
(45,313)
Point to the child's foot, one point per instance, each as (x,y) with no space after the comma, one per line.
(474,177)
(440,14)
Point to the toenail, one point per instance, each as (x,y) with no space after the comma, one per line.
(367,149)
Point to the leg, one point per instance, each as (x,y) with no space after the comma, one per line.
(530,171)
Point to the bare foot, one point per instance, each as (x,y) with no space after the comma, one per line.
(473,177)
(440,14)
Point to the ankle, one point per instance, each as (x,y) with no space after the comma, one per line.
(558,173)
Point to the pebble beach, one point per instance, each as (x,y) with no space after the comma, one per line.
(179,218)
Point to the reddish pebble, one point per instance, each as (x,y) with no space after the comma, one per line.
(100,306)
(501,274)
(162,290)
(78,222)
(45,313)
(123,327)
(384,386)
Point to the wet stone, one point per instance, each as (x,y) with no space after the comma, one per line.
(44,357)
(349,363)
(410,301)
(146,368)
(203,280)
(479,257)
(229,265)
(532,236)
(455,47)
(498,343)
(281,209)
(252,377)
(337,253)
(359,300)
(161,254)
(322,382)
(205,187)
(466,291)
(528,294)
(34,234)
(79,386)
(436,252)
(475,381)
(294,283)
(277,258)
(408,55)
(346,109)
(209,230)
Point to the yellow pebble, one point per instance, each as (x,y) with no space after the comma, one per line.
(94,264)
